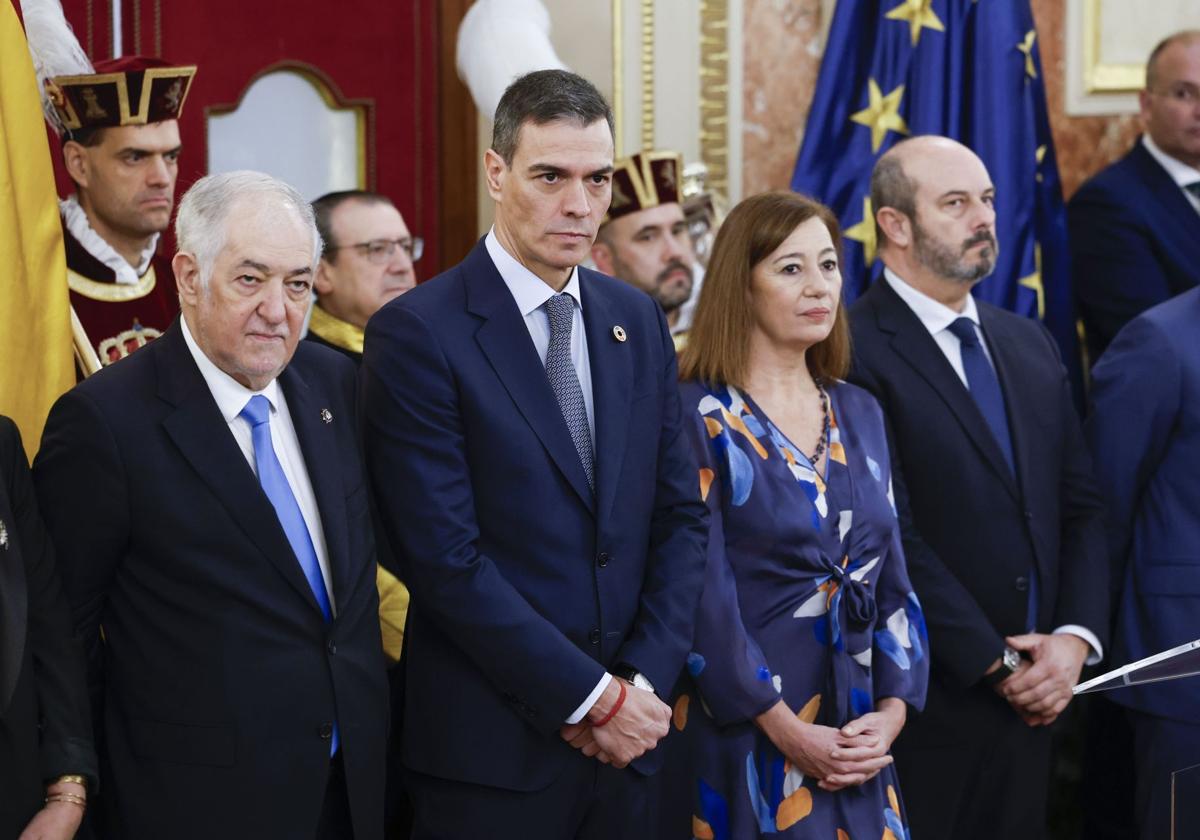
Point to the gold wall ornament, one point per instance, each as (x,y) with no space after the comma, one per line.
(647,74)
(714,92)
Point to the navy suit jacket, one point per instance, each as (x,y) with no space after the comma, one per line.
(1135,241)
(972,532)
(1144,432)
(216,678)
(526,586)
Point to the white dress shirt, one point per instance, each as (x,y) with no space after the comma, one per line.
(936,317)
(531,293)
(231,397)
(1180,172)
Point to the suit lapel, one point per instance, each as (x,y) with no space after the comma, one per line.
(14,602)
(202,436)
(612,373)
(1175,216)
(505,342)
(1004,350)
(913,343)
(318,444)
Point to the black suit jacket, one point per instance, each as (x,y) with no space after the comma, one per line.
(216,677)
(45,729)
(972,532)
(1135,241)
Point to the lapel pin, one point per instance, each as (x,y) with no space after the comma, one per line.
(619,333)
(3,535)
(326,415)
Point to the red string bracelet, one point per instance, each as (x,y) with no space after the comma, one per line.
(615,708)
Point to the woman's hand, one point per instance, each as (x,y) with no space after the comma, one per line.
(833,756)
(56,821)
(884,724)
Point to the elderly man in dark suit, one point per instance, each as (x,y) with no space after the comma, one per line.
(1135,227)
(47,763)
(1002,525)
(209,507)
(524,437)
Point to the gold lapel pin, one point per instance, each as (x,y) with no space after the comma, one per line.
(326,415)
(619,333)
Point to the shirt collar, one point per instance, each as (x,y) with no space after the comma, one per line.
(935,315)
(77,222)
(1180,172)
(231,396)
(528,290)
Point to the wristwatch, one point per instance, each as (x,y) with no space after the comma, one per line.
(1010,661)
(634,676)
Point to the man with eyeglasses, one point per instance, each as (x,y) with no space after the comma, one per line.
(1135,227)
(368,260)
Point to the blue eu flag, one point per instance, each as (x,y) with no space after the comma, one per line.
(966,69)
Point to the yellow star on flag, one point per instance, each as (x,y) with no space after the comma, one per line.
(864,232)
(1034,282)
(918,13)
(1026,47)
(882,114)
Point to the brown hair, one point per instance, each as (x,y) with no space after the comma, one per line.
(718,345)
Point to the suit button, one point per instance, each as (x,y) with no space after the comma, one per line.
(594,637)
(325,730)
(331,647)
(1021,584)
(1029,515)
(602,559)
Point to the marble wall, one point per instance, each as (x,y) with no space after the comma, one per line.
(782,46)
(783,42)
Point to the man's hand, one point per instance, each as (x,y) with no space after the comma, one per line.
(638,726)
(580,736)
(1041,691)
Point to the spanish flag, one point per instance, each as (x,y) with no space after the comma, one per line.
(36,356)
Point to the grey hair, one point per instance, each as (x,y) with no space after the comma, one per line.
(200,227)
(891,187)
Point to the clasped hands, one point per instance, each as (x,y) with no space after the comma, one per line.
(639,724)
(1040,688)
(837,758)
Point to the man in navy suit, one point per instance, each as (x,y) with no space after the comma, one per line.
(1144,432)
(1001,522)
(208,504)
(523,434)
(1135,227)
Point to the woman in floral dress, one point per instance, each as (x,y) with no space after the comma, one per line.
(809,642)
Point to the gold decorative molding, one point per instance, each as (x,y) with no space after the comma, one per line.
(714,92)
(1099,77)
(363,109)
(618,63)
(647,74)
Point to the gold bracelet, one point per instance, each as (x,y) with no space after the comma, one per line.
(67,797)
(75,780)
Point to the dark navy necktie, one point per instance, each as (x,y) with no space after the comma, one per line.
(984,386)
(1194,189)
(564,380)
(275,484)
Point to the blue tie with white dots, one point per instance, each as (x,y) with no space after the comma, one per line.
(564,380)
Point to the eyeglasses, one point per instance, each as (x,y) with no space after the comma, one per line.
(379,251)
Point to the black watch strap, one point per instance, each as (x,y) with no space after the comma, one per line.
(1010,660)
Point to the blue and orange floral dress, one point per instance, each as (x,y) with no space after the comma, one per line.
(806,598)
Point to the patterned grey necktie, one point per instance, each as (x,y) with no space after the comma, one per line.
(565,381)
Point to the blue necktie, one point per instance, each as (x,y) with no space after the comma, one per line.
(984,386)
(275,484)
(564,380)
